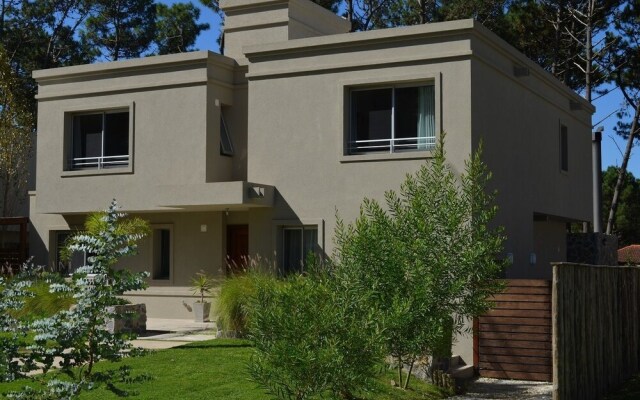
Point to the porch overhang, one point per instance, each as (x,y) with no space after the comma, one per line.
(216,196)
(210,196)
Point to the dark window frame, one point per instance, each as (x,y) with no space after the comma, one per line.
(564,148)
(162,253)
(393,141)
(76,161)
(286,267)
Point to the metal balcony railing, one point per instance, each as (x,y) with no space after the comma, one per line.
(99,162)
(392,145)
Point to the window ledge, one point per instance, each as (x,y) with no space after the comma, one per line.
(413,155)
(94,172)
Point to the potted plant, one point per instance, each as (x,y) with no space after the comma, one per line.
(201,284)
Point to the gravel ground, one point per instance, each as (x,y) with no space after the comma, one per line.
(485,388)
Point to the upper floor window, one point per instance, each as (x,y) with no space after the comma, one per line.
(226,146)
(564,148)
(100,140)
(392,119)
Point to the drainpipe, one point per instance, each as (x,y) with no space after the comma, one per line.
(596,140)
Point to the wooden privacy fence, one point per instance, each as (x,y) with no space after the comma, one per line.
(14,244)
(596,329)
(513,341)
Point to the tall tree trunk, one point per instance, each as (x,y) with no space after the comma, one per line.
(623,170)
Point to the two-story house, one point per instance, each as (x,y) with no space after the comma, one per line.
(253,151)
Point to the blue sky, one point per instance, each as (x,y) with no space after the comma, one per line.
(612,144)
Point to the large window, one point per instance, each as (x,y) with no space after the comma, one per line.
(298,242)
(392,119)
(100,140)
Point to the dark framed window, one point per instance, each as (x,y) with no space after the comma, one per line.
(226,146)
(564,148)
(392,119)
(161,254)
(100,140)
(298,242)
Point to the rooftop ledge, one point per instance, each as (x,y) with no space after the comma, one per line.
(146,63)
(337,43)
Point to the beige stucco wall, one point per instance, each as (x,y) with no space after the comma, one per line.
(255,22)
(175,139)
(518,120)
(477,98)
(289,124)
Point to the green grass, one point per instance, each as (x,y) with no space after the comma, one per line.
(214,369)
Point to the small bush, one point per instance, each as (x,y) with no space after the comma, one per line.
(307,342)
(43,304)
(235,295)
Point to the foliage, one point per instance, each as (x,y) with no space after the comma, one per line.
(627,219)
(193,376)
(16,129)
(122,28)
(177,28)
(40,302)
(77,338)
(554,34)
(624,52)
(13,331)
(202,284)
(236,292)
(429,257)
(308,341)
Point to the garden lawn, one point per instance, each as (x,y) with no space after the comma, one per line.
(215,369)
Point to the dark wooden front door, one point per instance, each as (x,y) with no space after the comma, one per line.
(237,247)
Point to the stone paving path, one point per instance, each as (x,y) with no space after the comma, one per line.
(168,333)
(497,389)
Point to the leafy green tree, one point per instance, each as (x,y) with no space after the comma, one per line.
(13,331)
(177,28)
(426,262)
(121,28)
(489,12)
(559,36)
(624,52)
(16,130)
(212,4)
(627,222)
(78,336)
(41,34)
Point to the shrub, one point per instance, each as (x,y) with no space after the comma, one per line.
(43,303)
(236,294)
(426,261)
(77,337)
(308,342)
(239,288)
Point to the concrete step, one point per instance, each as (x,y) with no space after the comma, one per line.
(462,372)
(455,361)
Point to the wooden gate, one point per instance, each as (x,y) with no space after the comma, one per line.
(513,341)
(14,245)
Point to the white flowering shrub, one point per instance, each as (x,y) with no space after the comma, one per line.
(76,339)
(13,331)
